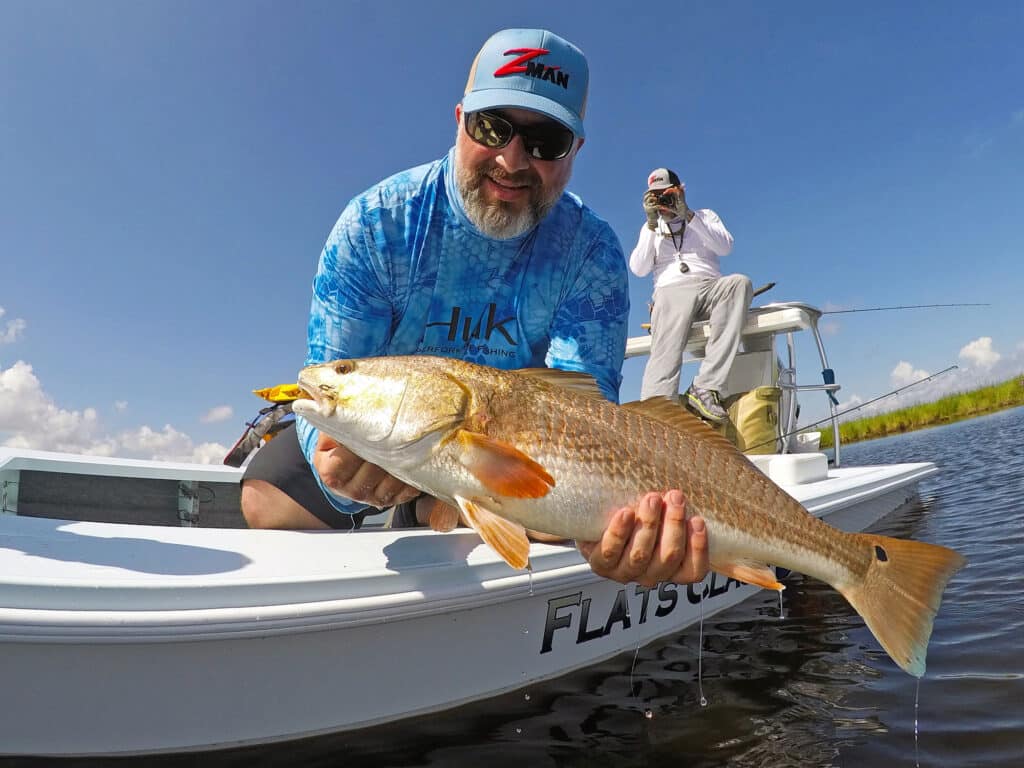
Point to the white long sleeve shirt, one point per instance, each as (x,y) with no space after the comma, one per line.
(704,241)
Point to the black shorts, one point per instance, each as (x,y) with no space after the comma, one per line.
(282,464)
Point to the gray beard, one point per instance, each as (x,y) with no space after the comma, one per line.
(499,219)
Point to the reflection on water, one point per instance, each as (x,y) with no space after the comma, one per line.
(813,689)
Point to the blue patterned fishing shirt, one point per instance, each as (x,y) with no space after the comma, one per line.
(405,271)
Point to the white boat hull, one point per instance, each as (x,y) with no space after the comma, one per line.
(126,639)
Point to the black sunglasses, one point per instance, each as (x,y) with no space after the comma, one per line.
(549,140)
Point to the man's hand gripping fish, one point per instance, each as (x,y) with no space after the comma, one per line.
(541,449)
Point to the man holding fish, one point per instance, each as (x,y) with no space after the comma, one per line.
(480,256)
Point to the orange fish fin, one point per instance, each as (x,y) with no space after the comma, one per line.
(900,594)
(583,383)
(443,517)
(749,572)
(669,410)
(502,467)
(505,537)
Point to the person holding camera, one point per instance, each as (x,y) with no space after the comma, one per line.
(683,247)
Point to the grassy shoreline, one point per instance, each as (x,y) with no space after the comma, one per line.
(955,407)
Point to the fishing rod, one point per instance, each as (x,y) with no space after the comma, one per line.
(907,306)
(856,407)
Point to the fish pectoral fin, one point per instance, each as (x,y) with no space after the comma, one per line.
(443,517)
(505,537)
(502,467)
(749,572)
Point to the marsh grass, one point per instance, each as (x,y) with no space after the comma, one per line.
(955,407)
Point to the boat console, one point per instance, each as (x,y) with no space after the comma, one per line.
(759,363)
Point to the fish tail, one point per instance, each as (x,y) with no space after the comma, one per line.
(900,594)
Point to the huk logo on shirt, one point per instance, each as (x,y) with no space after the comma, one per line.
(525,65)
(463,326)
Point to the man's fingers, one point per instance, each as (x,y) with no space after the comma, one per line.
(644,540)
(360,486)
(655,542)
(390,490)
(672,542)
(326,443)
(604,555)
(408,493)
(696,564)
(355,478)
(336,465)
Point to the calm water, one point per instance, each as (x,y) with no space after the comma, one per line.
(812,689)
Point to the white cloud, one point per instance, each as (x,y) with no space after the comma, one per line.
(851,402)
(37,422)
(942,383)
(904,373)
(147,441)
(120,406)
(30,419)
(831,306)
(217,413)
(208,453)
(980,353)
(1017,118)
(829,327)
(12,330)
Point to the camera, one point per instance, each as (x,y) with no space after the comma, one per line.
(667,199)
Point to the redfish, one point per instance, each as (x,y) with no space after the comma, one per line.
(541,449)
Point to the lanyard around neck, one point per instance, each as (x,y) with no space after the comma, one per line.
(682,233)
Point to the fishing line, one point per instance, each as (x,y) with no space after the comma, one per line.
(636,653)
(632,691)
(854,408)
(917,695)
(700,649)
(907,306)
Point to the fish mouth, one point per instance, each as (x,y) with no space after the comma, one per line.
(323,399)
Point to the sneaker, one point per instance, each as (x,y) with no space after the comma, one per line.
(705,403)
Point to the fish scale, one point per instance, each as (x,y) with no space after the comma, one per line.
(542,450)
(631,454)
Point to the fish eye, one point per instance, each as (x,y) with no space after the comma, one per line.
(344,366)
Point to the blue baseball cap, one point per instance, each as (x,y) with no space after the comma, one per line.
(530,69)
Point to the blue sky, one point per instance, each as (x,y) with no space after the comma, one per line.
(169,172)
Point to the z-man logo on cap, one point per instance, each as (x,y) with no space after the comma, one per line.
(524,65)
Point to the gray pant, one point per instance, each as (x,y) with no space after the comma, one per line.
(723,301)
